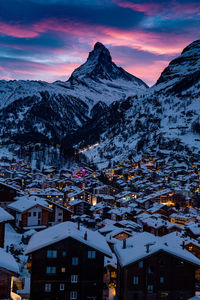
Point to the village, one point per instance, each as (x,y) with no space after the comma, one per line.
(131,231)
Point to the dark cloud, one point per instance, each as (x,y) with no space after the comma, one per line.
(28,12)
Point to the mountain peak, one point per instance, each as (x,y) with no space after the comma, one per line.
(99,66)
(99,45)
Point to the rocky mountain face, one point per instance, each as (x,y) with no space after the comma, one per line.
(108,114)
(36,111)
(163,121)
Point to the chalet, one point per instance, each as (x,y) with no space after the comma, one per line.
(158,226)
(8,193)
(59,213)
(67,262)
(106,198)
(73,193)
(52,194)
(4,217)
(30,212)
(79,207)
(193,229)
(152,268)
(8,268)
(181,219)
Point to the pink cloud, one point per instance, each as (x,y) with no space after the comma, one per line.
(148,8)
(171,8)
(17,30)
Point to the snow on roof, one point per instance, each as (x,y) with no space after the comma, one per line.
(77,201)
(66,230)
(8,262)
(194,227)
(5,216)
(136,248)
(26,202)
(154,195)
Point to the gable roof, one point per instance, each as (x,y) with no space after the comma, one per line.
(66,230)
(8,262)
(24,203)
(5,216)
(136,248)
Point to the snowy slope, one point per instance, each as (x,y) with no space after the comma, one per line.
(40,111)
(164,120)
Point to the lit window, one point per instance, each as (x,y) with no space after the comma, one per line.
(63,270)
(74,261)
(73,295)
(47,287)
(51,253)
(74,278)
(50,270)
(135,280)
(62,286)
(162,279)
(92,254)
(140,264)
(114,274)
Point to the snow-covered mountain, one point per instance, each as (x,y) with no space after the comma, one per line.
(164,121)
(40,111)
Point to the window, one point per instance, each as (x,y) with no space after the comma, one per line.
(50,270)
(63,269)
(150,288)
(161,279)
(60,214)
(62,286)
(29,214)
(91,254)
(51,253)
(74,261)
(74,278)
(140,264)
(135,280)
(47,287)
(34,213)
(73,295)
(64,253)
(113,274)
(39,215)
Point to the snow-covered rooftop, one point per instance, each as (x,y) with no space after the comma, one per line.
(5,216)
(136,248)
(8,262)
(66,230)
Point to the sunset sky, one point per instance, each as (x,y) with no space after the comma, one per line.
(48,39)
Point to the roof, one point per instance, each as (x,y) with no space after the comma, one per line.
(8,262)
(136,248)
(24,203)
(66,230)
(5,216)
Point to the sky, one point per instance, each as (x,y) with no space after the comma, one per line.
(48,39)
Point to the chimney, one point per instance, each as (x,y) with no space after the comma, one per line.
(78,225)
(124,244)
(85,236)
(147,248)
(183,245)
(7,249)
